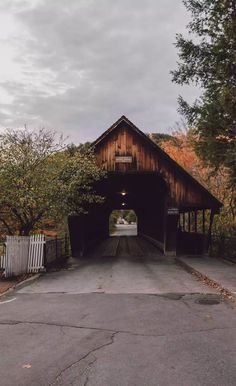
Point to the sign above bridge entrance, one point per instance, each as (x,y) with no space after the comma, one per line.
(124,159)
(174,211)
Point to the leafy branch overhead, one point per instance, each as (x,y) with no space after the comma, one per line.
(41,177)
(208,58)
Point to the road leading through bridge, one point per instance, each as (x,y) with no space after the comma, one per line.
(124,316)
(120,265)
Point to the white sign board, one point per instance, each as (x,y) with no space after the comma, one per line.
(174,211)
(124,159)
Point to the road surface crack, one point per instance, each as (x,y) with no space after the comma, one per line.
(99,329)
(91,352)
(87,368)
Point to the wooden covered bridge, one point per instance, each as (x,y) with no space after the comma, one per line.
(170,204)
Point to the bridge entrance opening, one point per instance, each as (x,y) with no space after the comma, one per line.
(144,193)
(123,223)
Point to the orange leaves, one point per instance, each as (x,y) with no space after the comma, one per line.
(181,150)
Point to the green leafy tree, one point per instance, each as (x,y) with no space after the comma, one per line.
(77,178)
(115,214)
(41,179)
(160,137)
(131,217)
(208,59)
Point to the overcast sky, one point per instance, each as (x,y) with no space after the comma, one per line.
(76,66)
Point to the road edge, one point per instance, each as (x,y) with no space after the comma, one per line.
(21,284)
(225,292)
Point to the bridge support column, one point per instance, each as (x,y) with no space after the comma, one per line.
(76,225)
(170,232)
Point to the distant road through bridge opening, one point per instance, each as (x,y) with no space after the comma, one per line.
(175,212)
(123,223)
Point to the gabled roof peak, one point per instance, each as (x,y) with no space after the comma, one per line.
(123,118)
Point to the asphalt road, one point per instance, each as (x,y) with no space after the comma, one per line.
(125,316)
(127,230)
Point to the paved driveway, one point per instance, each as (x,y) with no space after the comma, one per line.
(126,316)
(121,265)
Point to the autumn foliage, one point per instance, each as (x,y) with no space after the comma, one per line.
(180,147)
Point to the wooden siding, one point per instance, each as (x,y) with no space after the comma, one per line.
(184,191)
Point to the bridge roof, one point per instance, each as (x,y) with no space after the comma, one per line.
(215,203)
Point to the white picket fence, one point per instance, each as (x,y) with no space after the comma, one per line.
(23,254)
(36,253)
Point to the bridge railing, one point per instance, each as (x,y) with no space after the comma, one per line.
(56,248)
(222,246)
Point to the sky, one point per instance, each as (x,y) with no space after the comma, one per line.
(76,66)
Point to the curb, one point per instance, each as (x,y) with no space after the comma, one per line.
(225,292)
(21,284)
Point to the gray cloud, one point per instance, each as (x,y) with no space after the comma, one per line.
(87,62)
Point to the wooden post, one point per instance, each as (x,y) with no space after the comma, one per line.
(189,222)
(56,247)
(195,221)
(77,232)
(203,222)
(170,236)
(209,230)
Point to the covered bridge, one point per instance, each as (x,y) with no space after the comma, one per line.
(170,204)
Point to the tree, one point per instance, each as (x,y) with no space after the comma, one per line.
(159,137)
(78,176)
(208,59)
(41,179)
(115,214)
(131,217)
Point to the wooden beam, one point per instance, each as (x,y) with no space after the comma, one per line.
(203,222)
(195,221)
(210,229)
(189,221)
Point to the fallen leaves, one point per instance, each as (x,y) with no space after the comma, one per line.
(211,283)
(27,366)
